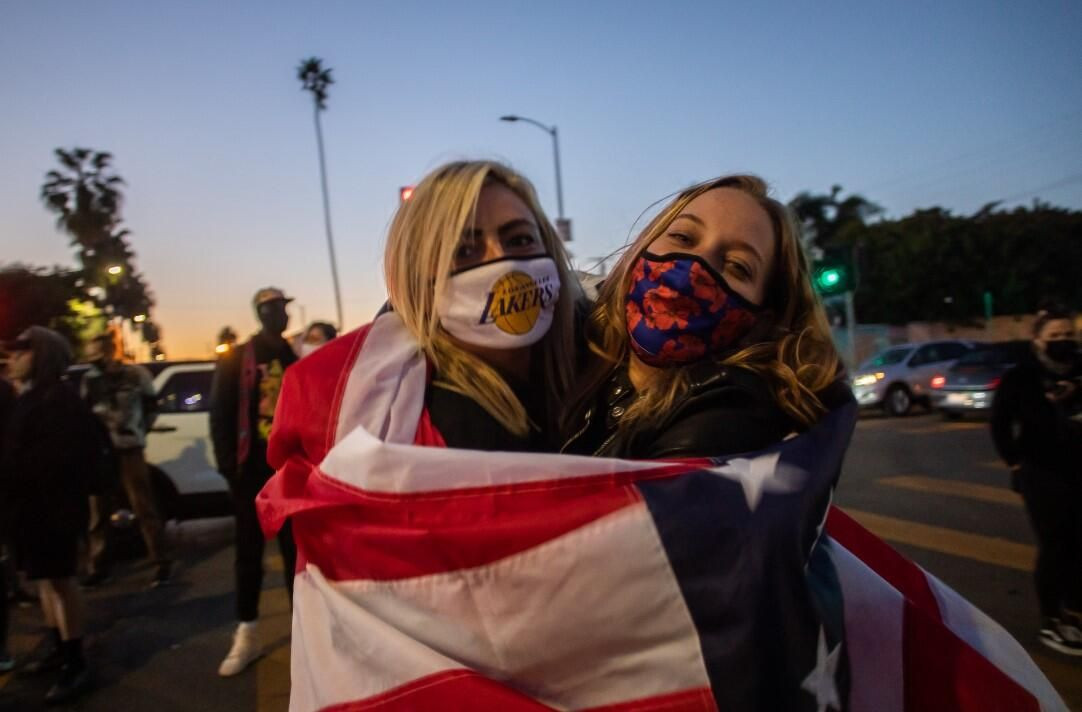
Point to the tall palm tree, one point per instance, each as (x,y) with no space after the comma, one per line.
(315,79)
(85,195)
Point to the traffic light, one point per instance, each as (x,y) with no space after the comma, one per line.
(833,274)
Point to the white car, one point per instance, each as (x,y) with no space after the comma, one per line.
(187,485)
(902,375)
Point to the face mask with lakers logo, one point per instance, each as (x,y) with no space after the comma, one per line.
(503,304)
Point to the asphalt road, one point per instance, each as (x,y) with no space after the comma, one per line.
(933,489)
(158,650)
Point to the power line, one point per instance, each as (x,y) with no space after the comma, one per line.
(1076,178)
(983,151)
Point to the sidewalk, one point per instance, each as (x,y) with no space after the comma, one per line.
(158,649)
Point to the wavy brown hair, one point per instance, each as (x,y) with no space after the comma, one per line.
(791,347)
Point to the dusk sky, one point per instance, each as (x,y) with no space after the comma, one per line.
(911,104)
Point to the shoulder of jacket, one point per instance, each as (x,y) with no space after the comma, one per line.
(708,376)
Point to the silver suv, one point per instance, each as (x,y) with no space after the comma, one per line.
(898,377)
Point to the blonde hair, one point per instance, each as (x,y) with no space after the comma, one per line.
(794,352)
(418,261)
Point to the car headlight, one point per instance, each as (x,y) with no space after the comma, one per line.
(865,380)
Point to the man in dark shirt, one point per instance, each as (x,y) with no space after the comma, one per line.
(244,394)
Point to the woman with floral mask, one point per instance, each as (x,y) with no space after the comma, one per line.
(708,339)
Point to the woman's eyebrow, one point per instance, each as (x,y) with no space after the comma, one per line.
(690,216)
(512,225)
(747,246)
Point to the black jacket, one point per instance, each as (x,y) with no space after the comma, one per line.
(1028,428)
(269,357)
(726,410)
(50,454)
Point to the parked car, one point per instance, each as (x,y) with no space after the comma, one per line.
(187,483)
(970,384)
(898,377)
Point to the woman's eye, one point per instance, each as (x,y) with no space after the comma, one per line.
(680,238)
(739,269)
(523,240)
(465,252)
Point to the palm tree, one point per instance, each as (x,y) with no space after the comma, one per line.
(86,195)
(829,221)
(315,79)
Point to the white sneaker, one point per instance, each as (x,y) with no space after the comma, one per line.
(246,649)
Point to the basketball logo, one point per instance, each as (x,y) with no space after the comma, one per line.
(515,302)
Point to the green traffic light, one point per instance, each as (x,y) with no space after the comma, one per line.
(829,278)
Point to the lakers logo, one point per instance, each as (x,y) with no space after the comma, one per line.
(515,302)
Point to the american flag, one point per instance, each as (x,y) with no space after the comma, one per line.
(443,579)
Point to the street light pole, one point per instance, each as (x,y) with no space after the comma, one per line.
(554,132)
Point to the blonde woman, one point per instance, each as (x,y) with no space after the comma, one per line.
(478,283)
(707,337)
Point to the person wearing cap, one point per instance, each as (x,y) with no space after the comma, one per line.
(123,397)
(244,394)
(50,448)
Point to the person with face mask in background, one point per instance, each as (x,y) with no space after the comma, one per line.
(707,338)
(49,450)
(244,395)
(1036,430)
(7,400)
(317,334)
(122,396)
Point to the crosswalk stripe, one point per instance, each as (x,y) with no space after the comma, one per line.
(986,549)
(942,428)
(954,488)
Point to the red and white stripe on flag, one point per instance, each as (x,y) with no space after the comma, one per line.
(915,644)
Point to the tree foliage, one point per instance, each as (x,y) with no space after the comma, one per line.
(34,296)
(828,220)
(316,79)
(935,266)
(87,197)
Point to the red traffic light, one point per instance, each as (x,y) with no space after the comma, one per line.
(405,193)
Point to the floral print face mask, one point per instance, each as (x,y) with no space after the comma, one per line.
(680,310)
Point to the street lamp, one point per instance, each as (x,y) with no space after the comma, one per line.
(561,222)
(115,270)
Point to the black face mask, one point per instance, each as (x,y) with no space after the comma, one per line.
(1061,350)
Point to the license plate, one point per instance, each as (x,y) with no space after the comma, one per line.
(957,399)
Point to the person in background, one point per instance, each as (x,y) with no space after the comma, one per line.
(50,448)
(7,662)
(1036,431)
(122,396)
(317,334)
(244,394)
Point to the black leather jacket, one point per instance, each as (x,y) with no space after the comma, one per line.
(726,410)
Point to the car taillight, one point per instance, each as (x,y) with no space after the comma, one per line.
(994,384)
(939,381)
